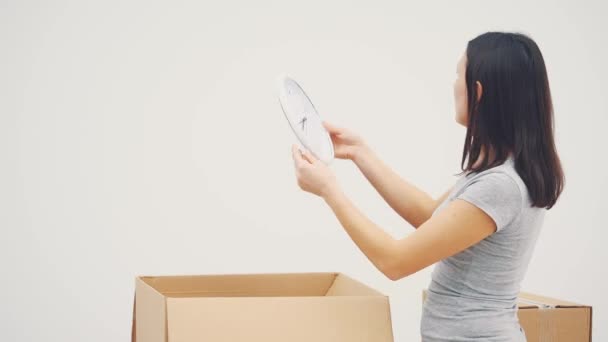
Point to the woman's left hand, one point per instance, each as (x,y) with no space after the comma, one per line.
(312,174)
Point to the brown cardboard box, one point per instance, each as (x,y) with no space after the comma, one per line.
(552,320)
(549,319)
(259,307)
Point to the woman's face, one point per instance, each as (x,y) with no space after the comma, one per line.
(460,92)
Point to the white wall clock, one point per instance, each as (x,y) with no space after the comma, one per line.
(304,119)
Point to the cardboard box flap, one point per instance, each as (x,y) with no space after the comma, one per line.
(151,314)
(274,319)
(133,335)
(243,285)
(346,286)
(528,300)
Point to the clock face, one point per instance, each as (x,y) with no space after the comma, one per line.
(304,119)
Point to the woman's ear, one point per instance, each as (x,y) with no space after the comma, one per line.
(479,90)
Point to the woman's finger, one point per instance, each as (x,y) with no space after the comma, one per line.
(297,155)
(309,157)
(332,129)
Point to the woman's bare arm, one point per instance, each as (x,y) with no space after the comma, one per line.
(411,203)
(453,230)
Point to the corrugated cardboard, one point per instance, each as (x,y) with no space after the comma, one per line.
(259,307)
(547,319)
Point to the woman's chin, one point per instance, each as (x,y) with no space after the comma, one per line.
(460,121)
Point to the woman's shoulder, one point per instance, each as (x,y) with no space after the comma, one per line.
(504,178)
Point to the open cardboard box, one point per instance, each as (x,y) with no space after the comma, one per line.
(552,320)
(259,307)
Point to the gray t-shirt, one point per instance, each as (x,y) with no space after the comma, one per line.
(472,295)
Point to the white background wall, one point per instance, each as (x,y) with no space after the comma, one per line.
(146,138)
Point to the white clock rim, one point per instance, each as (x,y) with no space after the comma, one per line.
(282,96)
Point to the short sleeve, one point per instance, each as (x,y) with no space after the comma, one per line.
(497,194)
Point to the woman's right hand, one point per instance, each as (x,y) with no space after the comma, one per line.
(346,143)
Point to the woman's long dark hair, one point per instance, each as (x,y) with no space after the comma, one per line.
(514,114)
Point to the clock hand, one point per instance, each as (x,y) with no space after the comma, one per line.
(303,122)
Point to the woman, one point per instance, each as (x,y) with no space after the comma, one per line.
(481,232)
